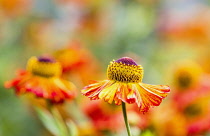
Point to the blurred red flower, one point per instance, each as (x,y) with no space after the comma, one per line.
(105,117)
(191,97)
(42,78)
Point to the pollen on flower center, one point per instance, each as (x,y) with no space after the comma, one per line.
(43,66)
(125,70)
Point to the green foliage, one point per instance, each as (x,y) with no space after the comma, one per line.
(54,123)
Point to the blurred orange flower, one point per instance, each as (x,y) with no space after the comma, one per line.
(124,84)
(191,97)
(167,121)
(72,57)
(14,7)
(42,79)
(75,60)
(194,29)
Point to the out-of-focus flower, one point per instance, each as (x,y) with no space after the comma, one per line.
(124,84)
(76,59)
(71,57)
(191,97)
(199,126)
(190,83)
(103,115)
(194,29)
(187,75)
(204,59)
(184,99)
(42,78)
(167,121)
(193,104)
(14,7)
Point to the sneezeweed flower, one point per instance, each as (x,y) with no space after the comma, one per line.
(191,97)
(187,75)
(193,105)
(124,85)
(42,78)
(199,126)
(75,61)
(167,121)
(70,57)
(73,56)
(204,59)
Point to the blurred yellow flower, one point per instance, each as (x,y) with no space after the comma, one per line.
(187,74)
(167,121)
(42,79)
(124,84)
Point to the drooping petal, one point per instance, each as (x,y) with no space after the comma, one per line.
(92,91)
(108,94)
(125,93)
(151,95)
(22,77)
(54,88)
(160,90)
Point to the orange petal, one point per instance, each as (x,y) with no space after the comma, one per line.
(126,93)
(151,95)
(108,94)
(160,90)
(92,91)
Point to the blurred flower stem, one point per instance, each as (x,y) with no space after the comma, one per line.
(54,122)
(49,106)
(126,119)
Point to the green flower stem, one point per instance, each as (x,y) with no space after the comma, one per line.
(126,119)
(49,105)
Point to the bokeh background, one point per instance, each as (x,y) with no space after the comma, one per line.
(169,38)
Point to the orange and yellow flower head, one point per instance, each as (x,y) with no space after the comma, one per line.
(124,84)
(42,78)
